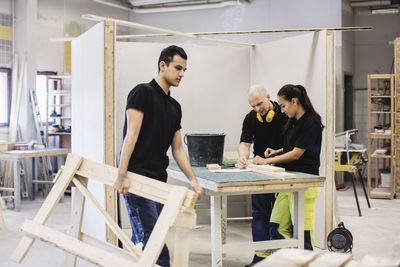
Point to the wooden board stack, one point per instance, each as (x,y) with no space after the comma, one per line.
(271,171)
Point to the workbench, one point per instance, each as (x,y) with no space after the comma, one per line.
(16,156)
(221,185)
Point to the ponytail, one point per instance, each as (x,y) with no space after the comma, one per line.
(290,91)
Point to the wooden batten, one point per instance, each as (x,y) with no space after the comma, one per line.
(162,30)
(397,112)
(109,122)
(140,185)
(364,28)
(329,131)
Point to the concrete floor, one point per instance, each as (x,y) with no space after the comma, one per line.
(376,233)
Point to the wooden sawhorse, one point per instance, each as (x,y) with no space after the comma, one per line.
(178,212)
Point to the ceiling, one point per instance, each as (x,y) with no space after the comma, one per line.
(169,5)
(375,7)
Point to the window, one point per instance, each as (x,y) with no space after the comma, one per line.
(5,96)
(41,92)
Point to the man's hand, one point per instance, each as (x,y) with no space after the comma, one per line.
(269,152)
(259,160)
(122,184)
(242,162)
(197,188)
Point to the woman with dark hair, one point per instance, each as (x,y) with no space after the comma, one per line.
(300,153)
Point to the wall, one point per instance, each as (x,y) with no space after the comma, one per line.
(373,54)
(58,18)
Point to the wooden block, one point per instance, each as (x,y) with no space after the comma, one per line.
(6,146)
(74,246)
(213,167)
(272,174)
(268,168)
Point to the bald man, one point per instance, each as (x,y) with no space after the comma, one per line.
(262,127)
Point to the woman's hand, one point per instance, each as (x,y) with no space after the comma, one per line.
(259,160)
(269,152)
(242,163)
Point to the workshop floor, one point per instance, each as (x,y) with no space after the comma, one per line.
(376,233)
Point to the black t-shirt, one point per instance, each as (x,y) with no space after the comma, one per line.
(162,118)
(264,134)
(305,133)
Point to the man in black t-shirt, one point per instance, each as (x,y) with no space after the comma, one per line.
(263,126)
(152,125)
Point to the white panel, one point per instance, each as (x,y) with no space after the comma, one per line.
(88,113)
(213,93)
(297,60)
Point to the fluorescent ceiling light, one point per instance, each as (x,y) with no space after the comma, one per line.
(153,2)
(385,11)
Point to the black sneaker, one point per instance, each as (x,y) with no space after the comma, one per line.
(249,265)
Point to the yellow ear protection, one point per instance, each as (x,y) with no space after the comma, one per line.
(270,116)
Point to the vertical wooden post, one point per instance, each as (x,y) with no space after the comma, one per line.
(329,131)
(109,125)
(397,122)
(182,247)
(2,224)
(78,207)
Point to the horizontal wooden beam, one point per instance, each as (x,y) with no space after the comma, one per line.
(161,30)
(139,184)
(364,28)
(74,246)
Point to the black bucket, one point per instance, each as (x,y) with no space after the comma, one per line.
(205,148)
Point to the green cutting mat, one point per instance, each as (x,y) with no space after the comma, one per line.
(203,172)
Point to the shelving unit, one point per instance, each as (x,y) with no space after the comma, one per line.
(58,110)
(381,135)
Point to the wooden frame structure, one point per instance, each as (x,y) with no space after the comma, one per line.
(178,212)
(330,100)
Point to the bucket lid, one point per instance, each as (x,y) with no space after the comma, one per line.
(205,134)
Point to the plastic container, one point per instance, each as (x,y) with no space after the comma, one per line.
(205,148)
(385,177)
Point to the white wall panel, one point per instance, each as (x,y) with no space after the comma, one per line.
(213,93)
(88,113)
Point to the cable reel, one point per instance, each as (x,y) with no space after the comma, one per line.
(340,240)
